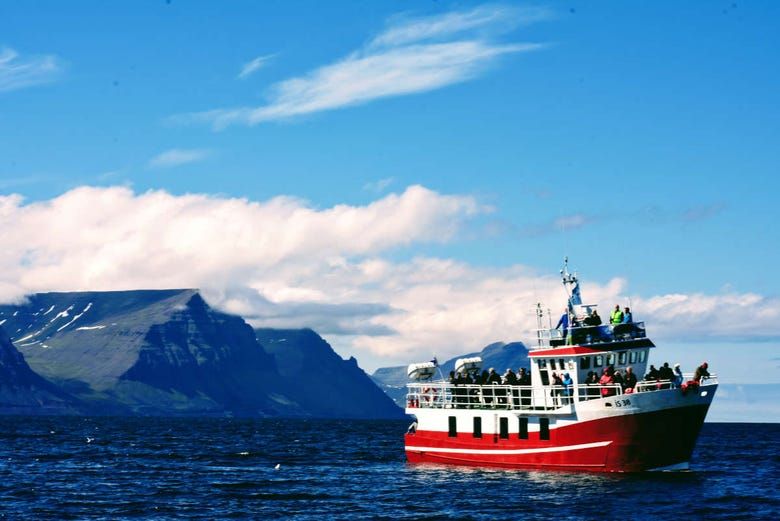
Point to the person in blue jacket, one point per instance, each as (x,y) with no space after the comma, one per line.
(627,316)
(567,388)
(563,323)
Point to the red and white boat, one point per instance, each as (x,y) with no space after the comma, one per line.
(652,426)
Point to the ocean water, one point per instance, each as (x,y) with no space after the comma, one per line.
(158,468)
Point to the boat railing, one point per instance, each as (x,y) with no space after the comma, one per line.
(438,395)
(659,385)
(558,398)
(588,335)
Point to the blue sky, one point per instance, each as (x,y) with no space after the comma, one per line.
(640,139)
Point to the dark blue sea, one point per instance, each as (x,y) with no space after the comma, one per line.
(158,468)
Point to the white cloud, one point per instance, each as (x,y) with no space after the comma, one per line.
(254,65)
(283,263)
(18,72)
(178,156)
(401,60)
(104,238)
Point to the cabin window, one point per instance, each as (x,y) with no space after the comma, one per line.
(622,358)
(503,428)
(561,364)
(642,355)
(632,357)
(611,359)
(477,427)
(545,377)
(522,432)
(544,428)
(598,360)
(453,427)
(542,363)
(552,364)
(585,362)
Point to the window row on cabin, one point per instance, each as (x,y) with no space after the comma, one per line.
(555,364)
(503,428)
(619,358)
(586,362)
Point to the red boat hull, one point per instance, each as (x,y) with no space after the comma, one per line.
(627,443)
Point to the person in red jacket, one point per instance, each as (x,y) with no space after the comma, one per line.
(607,379)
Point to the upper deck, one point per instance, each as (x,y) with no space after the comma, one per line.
(592,336)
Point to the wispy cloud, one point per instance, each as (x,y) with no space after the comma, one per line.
(17,72)
(178,156)
(411,55)
(379,186)
(489,18)
(701,213)
(564,223)
(13,182)
(253,66)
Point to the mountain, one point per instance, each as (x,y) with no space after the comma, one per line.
(157,352)
(22,391)
(321,380)
(500,355)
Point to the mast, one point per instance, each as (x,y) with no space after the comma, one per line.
(569,279)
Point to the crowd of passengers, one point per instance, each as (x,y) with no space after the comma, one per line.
(664,378)
(568,325)
(597,386)
(594,319)
(489,396)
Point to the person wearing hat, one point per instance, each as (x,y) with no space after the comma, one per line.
(678,376)
(701,372)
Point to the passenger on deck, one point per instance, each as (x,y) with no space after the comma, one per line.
(627,316)
(452,377)
(701,372)
(481,379)
(592,380)
(617,316)
(607,380)
(457,392)
(618,379)
(593,320)
(491,379)
(557,391)
(629,382)
(563,323)
(678,376)
(567,388)
(665,373)
(510,378)
(652,374)
(524,379)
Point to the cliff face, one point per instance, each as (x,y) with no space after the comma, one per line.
(22,390)
(318,379)
(501,356)
(168,352)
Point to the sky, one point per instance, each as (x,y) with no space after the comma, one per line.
(404,177)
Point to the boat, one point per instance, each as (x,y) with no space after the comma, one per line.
(574,425)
